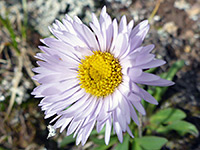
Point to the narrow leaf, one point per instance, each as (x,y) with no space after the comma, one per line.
(183,127)
(151,142)
(67,140)
(160,91)
(124,145)
(113,140)
(167,116)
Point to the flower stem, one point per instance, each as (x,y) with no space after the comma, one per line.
(140,126)
(154,10)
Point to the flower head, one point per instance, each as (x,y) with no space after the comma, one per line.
(90,77)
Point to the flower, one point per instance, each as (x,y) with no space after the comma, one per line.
(91,77)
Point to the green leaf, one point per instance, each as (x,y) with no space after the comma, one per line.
(167,116)
(151,142)
(174,69)
(151,70)
(183,127)
(7,24)
(97,141)
(125,144)
(160,91)
(136,146)
(25,19)
(67,140)
(94,132)
(113,140)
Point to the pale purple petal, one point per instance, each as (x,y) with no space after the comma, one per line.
(148,97)
(87,131)
(139,107)
(118,130)
(137,37)
(121,45)
(152,64)
(123,25)
(134,72)
(159,82)
(145,77)
(108,130)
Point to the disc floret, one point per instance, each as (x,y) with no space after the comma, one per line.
(100,73)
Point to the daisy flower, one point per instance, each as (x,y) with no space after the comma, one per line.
(89,76)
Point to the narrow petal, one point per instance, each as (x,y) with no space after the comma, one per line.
(120,118)
(139,27)
(143,59)
(73,126)
(117,97)
(148,97)
(99,37)
(65,124)
(139,107)
(121,45)
(145,77)
(78,128)
(104,111)
(152,64)
(87,111)
(86,34)
(138,37)
(108,130)
(129,131)
(130,26)
(159,82)
(133,114)
(99,126)
(79,137)
(109,35)
(134,72)
(123,25)
(133,97)
(78,107)
(95,21)
(115,33)
(118,130)
(87,131)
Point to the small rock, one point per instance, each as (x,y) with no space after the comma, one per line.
(170,27)
(124,2)
(194,12)
(189,34)
(2,98)
(187,48)
(181,4)
(156,18)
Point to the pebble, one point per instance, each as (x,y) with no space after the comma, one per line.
(170,27)
(156,18)
(181,4)
(189,34)
(187,48)
(194,12)
(2,98)
(124,2)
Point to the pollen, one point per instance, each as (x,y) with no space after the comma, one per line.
(100,74)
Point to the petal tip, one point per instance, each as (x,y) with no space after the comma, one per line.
(172,83)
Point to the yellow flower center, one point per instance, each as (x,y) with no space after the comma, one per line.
(100,73)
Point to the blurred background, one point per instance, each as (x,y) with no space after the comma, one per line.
(175,30)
